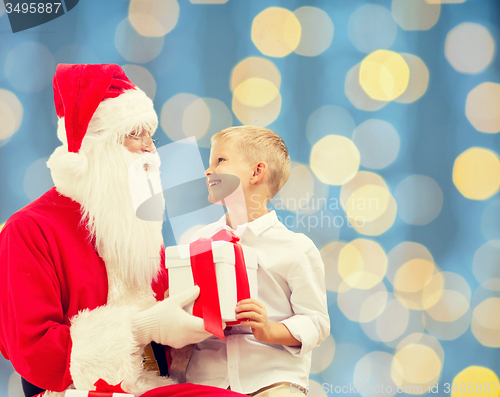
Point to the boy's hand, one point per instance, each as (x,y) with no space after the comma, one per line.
(256,316)
(263,330)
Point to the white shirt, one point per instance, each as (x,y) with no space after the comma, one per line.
(291,285)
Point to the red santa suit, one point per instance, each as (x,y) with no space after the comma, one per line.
(76,304)
(49,272)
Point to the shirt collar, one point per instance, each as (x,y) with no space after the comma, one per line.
(257,226)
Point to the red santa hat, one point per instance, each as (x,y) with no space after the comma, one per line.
(100,96)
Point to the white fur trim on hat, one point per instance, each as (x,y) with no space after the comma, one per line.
(118,117)
(122,115)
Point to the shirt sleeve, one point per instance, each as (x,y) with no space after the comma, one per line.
(310,323)
(32,330)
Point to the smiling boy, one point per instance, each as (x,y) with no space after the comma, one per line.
(271,351)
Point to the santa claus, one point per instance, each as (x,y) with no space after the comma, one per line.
(82,279)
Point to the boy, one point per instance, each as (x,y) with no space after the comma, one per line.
(269,354)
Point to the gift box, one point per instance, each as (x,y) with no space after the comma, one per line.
(178,260)
(85,393)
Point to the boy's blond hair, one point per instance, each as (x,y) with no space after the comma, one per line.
(260,144)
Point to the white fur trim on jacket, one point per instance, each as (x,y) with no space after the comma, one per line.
(104,348)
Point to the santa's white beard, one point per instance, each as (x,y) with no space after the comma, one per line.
(98,178)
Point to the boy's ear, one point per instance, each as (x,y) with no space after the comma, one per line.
(259,171)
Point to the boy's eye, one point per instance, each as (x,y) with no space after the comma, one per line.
(220,159)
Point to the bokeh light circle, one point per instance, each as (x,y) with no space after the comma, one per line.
(415,14)
(419,79)
(418,284)
(19,68)
(485,324)
(482,107)
(11,114)
(373,375)
(476,173)
(186,115)
(335,159)
(371,27)
(370,206)
(486,265)
(142,78)
(263,115)
(362,264)
(255,67)
(362,305)
(317,31)
(276,32)
(391,324)
(384,75)
(379,225)
(417,281)
(329,120)
(450,316)
(153,18)
(196,119)
(357,95)
(403,253)
(419,199)
(479,377)
(323,356)
(417,363)
(469,48)
(219,117)
(297,192)
(368,203)
(330,256)
(172,115)
(15,388)
(135,47)
(255,92)
(378,143)
(302,193)
(420,366)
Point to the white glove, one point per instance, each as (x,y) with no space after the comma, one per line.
(169,324)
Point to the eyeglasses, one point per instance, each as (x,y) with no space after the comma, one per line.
(146,140)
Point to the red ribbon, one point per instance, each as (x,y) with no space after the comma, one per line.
(207,306)
(103,386)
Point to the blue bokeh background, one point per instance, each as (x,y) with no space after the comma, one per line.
(198,57)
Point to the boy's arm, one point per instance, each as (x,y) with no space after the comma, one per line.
(306,279)
(310,324)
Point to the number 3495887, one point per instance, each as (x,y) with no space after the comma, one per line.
(32,8)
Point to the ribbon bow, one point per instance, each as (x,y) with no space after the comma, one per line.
(207,306)
(103,386)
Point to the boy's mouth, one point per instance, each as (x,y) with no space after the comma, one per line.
(213,182)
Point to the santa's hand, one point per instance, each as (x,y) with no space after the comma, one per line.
(169,324)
